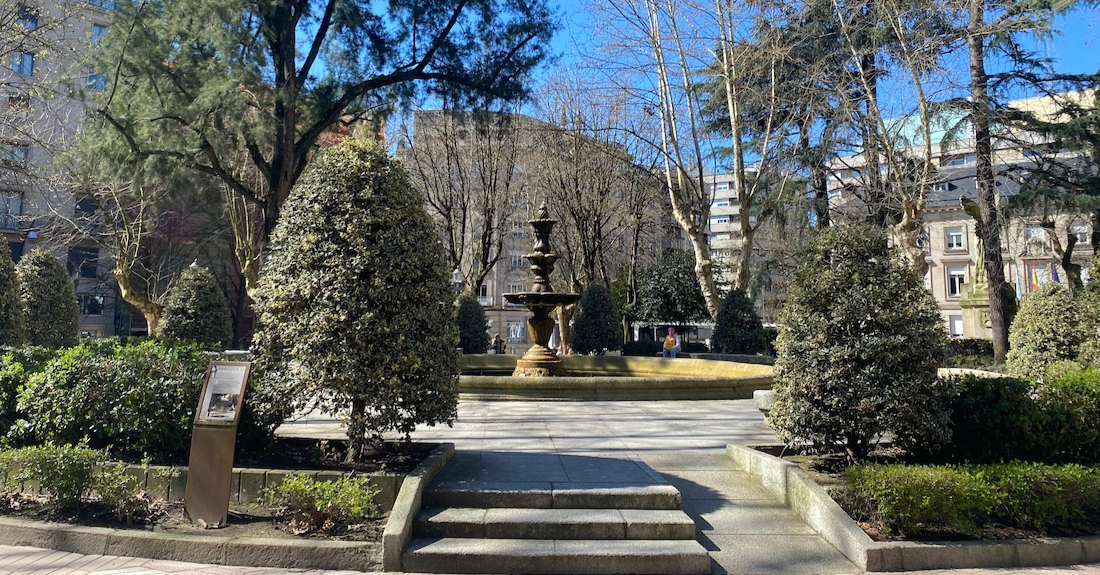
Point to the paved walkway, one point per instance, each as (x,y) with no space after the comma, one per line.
(745,530)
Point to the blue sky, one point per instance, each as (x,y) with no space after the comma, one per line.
(1076,44)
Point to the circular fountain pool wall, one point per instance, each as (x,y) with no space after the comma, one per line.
(614,378)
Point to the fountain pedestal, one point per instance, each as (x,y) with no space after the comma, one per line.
(542,300)
(540,360)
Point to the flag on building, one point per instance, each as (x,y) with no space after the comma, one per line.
(1054,275)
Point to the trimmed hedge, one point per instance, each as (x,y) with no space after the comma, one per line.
(1001,419)
(642,348)
(912,499)
(135,397)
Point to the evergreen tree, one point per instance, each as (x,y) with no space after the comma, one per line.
(473,325)
(739,329)
(355,303)
(197,311)
(12,317)
(668,291)
(596,323)
(53,316)
(1047,329)
(859,344)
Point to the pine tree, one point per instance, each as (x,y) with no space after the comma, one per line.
(53,316)
(197,311)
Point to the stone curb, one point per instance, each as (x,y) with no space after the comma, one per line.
(810,501)
(239,551)
(399,527)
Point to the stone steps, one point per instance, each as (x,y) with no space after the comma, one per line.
(554,528)
(593,524)
(551,557)
(538,495)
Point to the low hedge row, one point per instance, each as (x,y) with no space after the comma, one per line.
(912,499)
(134,397)
(1003,419)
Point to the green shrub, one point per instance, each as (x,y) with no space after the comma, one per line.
(694,347)
(16,366)
(1036,496)
(969,346)
(137,399)
(53,316)
(355,304)
(66,473)
(323,505)
(13,320)
(643,348)
(1046,330)
(1071,428)
(197,312)
(473,325)
(859,344)
(911,499)
(994,419)
(596,326)
(668,291)
(738,329)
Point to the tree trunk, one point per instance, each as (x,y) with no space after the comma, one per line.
(989,227)
(148,308)
(357,430)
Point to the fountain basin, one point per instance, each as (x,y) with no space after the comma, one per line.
(614,378)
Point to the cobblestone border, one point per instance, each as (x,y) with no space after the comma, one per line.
(811,502)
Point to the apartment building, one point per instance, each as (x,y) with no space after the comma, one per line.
(1031,241)
(41,76)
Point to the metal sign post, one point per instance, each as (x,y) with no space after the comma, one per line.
(213,439)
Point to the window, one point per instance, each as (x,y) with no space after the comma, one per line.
(516,260)
(1081,231)
(517,331)
(92,331)
(14,153)
(23,63)
(483,295)
(945,187)
(721,186)
(91,304)
(99,32)
(84,262)
(954,239)
(27,18)
(960,160)
(719,220)
(956,324)
(722,203)
(956,277)
(1035,239)
(11,207)
(515,288)
(519,229)
(97,82)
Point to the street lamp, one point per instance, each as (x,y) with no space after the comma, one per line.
(456,278)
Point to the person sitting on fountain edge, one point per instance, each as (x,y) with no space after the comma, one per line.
(498,344)
(672,344)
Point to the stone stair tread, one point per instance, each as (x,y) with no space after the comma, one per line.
(535,523)
(547,495)
(550,557)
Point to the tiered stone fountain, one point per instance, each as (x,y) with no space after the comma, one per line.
(542,300)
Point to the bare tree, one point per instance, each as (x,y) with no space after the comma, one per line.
(465,164)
